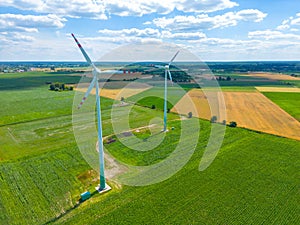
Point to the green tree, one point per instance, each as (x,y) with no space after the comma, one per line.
(52,87)
(213,119)
(232,124)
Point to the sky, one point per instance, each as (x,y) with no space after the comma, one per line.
(213,30)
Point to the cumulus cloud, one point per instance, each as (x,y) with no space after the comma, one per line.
(183,36)
(290,23)
(12,38)
(204,21)
(148,32)
(272,34)
(28,23)
(101,9)
(146,35)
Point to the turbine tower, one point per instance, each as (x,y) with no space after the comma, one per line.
(95,71)
(167,72)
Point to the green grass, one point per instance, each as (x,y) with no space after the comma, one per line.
(27,80)
(244,185)
(36,189)
(155,96)
(296,83)
(287,101)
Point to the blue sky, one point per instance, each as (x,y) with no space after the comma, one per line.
(214,30)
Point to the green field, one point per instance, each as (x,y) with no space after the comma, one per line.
(155,96)
(289,102)
(244,185)
(253,180)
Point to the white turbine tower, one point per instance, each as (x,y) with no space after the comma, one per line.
(95,71)
(167,72)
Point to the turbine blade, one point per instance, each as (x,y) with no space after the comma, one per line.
(173,58)
(88,92)
(87,58)
(170,76)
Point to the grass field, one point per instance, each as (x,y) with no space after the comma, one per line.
(257,185)
(155,96)
(289,102)
(253,180)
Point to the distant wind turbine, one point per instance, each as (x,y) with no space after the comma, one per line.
(95,71)
(167,72)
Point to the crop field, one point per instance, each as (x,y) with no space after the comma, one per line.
(249,109)
(257,185)
(289,102)
(278,89)
(255,111)
(253,180)
(273,76)
(155,96)
(118,93)
(200,108)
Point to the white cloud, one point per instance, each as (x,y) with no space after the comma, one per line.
(146,35)
(101,9)
(183,36)
(272,34)
(289,23)
(148,32)
(9,39)
(283,27)
(70,8)
(296,21)
(28,23)
(203,21)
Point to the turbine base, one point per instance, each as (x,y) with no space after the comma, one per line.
(103,190)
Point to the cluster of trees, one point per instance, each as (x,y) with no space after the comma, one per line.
(177,75)
(220,78)
(231,124)
(60,87)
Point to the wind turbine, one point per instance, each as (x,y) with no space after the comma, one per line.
(167,72)
(95,71)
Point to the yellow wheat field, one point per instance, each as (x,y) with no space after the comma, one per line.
(278,89)
(273,76)
(118,93)
(249,109)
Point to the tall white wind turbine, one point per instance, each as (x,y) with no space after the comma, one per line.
(167,73)
(95,71)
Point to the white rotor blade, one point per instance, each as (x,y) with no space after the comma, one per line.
(170,76)
(159,66)
(87,58)
(88,91)
(173,58)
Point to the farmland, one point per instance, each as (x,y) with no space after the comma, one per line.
(287,101)
(249,109)
(246,192)
(125,92)
(253,180)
